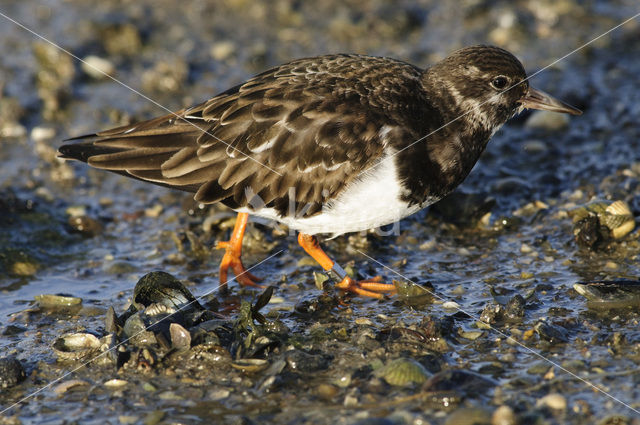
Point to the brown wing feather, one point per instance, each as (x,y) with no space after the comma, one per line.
(311,125)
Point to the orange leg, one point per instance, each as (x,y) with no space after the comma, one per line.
(366,288)
(233,252)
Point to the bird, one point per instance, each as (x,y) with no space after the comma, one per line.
(326,145)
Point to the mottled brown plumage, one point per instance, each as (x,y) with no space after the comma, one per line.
(311,127)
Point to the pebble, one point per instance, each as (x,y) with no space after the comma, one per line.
(469,416)
(222,50)
(11,372)
(12,130)
(326,391)
(553,401)
(115,384)
(97,67)
(77,211)
(85,225)
(23,268)
(154,211)
(503,415)
(128,419)
(153,418)
(42,134)
(525,249)
(546,120)
(219,394)
(351,401)
(534,146)
(611,265)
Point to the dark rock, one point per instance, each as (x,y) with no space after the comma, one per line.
(11,372)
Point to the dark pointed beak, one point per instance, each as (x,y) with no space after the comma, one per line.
(536,99)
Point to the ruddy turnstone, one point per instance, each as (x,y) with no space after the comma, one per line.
(329,144)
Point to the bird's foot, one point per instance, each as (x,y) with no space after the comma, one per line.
(232,259)
(367,288)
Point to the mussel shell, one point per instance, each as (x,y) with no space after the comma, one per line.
(162,288)
(250,365)
(623,291)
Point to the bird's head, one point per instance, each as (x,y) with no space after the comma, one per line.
(485,86)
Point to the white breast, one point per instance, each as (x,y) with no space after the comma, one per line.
(372,200)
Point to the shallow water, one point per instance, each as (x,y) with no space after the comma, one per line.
(178,56)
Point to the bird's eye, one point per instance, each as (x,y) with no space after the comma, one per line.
(500,82)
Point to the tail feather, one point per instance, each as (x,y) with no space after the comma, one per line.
(82,151)
(140,150)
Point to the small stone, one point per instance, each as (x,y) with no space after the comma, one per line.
(469,416)
(611,265)
(525,249)
(23,268)
(451,305)
(147,386)
(503,415)
(534,146)
(219,394)
(116,384)
(547,120)
(77,211)
(222,50)
(12,130)
(553,401)
(128,419)
(11,372)
(153,418)
(326,392)
(364,321)
(97,67)
(42,134)
(153,211)
(85,225)
(350,401)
